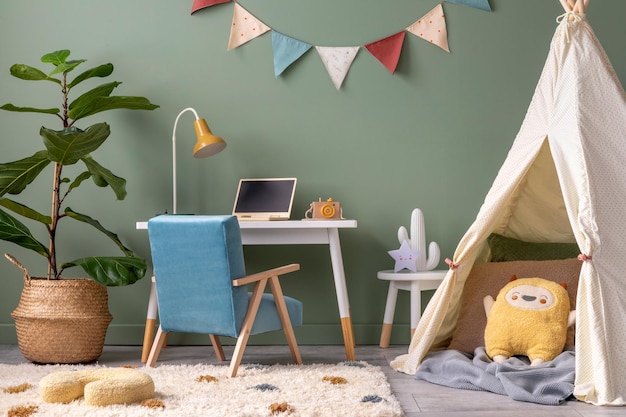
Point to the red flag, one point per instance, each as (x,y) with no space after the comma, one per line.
(387,50)
(201,4)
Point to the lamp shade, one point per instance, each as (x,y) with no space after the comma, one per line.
(208,144)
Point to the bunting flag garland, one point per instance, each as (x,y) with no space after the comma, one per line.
(286,50)
(245,27)
(337,61)
(432,28)
(387,50)
(201,4)
(478,4)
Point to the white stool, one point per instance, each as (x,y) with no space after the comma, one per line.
(415,282)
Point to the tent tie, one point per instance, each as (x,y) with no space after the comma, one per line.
(451,264)
(569,17)
(583,257)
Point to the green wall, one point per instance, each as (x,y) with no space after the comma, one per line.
(433,135)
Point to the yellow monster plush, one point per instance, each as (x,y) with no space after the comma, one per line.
(529,317)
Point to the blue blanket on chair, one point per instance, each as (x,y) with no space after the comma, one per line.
(550,383)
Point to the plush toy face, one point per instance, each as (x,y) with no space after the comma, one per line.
(529,317)
(530,297)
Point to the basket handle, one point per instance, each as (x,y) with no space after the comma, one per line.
(17,263)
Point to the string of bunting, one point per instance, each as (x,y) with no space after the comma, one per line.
(286,50)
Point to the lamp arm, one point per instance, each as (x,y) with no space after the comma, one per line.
(174,155)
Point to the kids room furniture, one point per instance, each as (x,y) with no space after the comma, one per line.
(201,286)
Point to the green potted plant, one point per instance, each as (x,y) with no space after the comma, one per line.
(45,301)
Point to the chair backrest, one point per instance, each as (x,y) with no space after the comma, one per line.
(195,259)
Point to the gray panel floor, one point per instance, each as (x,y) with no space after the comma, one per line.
(418,398)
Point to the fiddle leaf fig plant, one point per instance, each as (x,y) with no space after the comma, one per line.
(68,146)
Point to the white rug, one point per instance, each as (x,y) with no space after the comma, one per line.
(358,389)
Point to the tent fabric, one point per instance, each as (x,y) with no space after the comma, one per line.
(563,180)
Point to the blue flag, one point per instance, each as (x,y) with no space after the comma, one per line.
(478,4)
(286,50)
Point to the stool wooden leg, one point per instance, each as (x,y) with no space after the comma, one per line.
(416,305)
(385,335)
(390,309)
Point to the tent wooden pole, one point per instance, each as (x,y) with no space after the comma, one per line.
(576,6)
(566,6)
(581,6)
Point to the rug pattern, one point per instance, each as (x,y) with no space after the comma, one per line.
(343,389)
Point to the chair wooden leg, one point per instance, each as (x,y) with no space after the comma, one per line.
(159,341)
(283,313)
(217,347)
(246,327)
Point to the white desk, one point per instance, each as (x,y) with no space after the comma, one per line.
(291,232)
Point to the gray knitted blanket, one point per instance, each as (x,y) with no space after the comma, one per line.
(550,383)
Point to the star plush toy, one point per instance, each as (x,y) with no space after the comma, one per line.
(405,257)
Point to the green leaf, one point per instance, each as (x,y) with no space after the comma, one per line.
(28,73)
(111,271)
(11,107)
(68,146)
(100,71)
(102,177)
(15,176)
(85,103)
(100,104)
(79,179)
(56,57)
(27,212)
(66,67)
(95,223)
(12,230)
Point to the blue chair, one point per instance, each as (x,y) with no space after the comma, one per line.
(201,286)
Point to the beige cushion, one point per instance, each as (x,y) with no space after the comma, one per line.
(489,278)
(104,386)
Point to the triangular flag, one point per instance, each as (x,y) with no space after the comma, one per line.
(387,50)
(201,4)
(245,27)
(337,61)
(432,28)
(286,50)
(478,4)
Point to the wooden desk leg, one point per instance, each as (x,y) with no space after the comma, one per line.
(348,337)
(342,292)
(148,335)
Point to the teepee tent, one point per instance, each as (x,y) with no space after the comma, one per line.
(564,179)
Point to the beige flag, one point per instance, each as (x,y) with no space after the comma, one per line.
(432,28)
(245,27)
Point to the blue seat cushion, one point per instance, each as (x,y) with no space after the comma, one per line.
(267,318)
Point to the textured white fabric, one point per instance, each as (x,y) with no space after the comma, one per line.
(564,179)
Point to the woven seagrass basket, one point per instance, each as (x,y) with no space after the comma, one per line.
(61,321)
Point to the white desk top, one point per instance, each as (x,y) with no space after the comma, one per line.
(287,224)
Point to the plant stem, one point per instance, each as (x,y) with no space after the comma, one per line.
(55,211)
(53,272)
